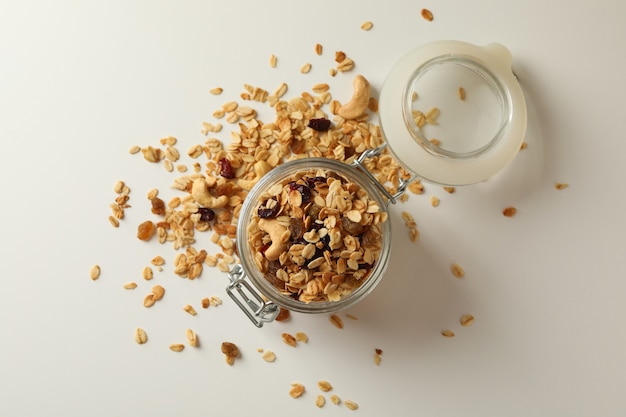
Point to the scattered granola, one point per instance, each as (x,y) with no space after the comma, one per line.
(177,347)
(457,270)
(320,401)
(94,272)
(230,351)
(434,201)
(467,320)
(140,336)
(269,356)
(296,390)
(351,405)
(411,225)
(561,185)
(367,25)
(324,385)
(192,338)
(130,286)
(289,339)
(427,14)
(302,337)
(461,93)
(189,309)
(336,321)
(447,333)
(335,399)
(509,211)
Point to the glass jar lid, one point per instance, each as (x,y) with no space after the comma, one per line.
(453,113)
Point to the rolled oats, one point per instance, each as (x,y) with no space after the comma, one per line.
(189,309)
(324,385)
(114,222)
(367,25)
(306,68)
(269,356)
(140,336)
(561,185)
(457,270)
(427,14)
(192,338)
(335,399)
(461,93)
(94,272)
(130,286)
(147,273)
(467,320)
(320,401)
(447,333)
(289,340)
(302,337)
(177,347)
(318,49)
(134,149)
(296,390)
(336,321)
(351,405)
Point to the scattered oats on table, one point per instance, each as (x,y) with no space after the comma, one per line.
(296,390)
(289,339)
(324,385)
(336,321)
(351,405)
(457,270)
(427,14)
(177,347)
(94,272)
(447,333)
(467,320)
(561,185)
(367,25)
(269,356)
(509,211)
(141,336)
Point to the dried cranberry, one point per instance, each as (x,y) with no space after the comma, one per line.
(321,125)
(206,214)
(226,169)
(266,213)
(302,189)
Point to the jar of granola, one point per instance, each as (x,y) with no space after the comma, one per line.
(313,237)
(313,234)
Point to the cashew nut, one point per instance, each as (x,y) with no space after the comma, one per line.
(201,194)
(360,99)
(278,234)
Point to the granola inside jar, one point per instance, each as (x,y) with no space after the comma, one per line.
(316,236)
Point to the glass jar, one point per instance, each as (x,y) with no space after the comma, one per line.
(471,100)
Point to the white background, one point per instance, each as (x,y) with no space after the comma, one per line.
(82,81)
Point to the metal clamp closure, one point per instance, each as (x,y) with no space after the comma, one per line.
(371,153)
(249,301)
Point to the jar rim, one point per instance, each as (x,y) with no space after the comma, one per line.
(247,258)
(476,67)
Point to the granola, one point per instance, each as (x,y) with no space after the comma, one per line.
(316,235)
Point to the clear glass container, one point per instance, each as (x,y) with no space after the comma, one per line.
(451,113)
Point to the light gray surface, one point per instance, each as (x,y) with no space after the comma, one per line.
(80,82)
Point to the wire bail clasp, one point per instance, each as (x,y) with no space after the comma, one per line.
(249,301)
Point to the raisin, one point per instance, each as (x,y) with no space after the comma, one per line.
(158,206)
(145,230)
(283,314)
(313,211)
(321,125)
(206,214)
(266,213)
(351,227)
(296,227)
(226,169)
